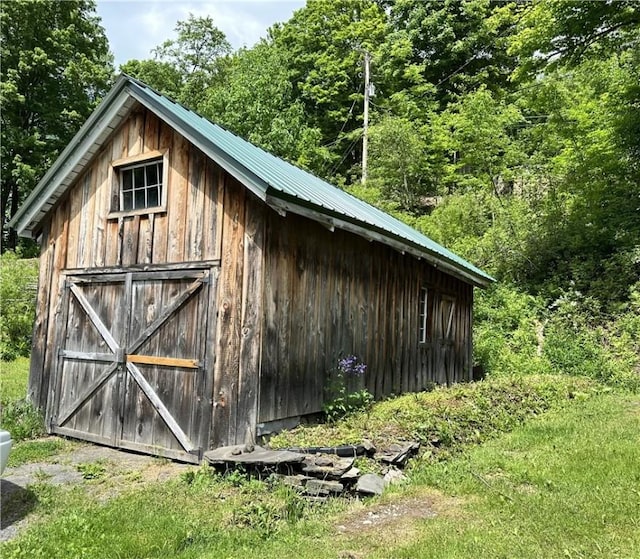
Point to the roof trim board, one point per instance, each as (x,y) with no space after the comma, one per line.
(283,186)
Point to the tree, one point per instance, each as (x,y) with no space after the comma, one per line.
(197,55)
(255,100)
(559,32)
(162,76)
(56,66)
(476,134)
(459,44)
(325,42)
(399,166)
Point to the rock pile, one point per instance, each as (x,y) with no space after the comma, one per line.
(319,473)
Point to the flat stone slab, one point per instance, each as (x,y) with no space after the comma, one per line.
(351,475)
(326,466)
(398,454)
(319,487)
(257,456)
(370,484)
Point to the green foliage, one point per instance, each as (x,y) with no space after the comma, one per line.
(550,32)
(56,66)
(398,162)
(196,55)
(445,420)
(459,44)
(345,393)
(162,76)
(508,332)
(514,333)
(21,419)
(18,285)
(256,101)
(92,470)
(325,41)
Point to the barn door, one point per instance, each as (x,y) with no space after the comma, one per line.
(445,336)
(131,365)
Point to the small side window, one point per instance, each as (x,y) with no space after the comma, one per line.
(423,315)
(141,186)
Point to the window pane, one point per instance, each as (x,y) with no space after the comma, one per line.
(139,199)
(138,176)
(423,316)
(141,186)
(152,197)
(127,200)
(152,175)
(127,176)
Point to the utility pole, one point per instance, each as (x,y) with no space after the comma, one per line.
(365,128)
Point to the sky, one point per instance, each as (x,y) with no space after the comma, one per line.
(135,27)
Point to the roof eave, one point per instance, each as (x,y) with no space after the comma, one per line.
(254,183)
(56,179)
(282,204)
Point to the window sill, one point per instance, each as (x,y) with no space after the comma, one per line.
(141,211)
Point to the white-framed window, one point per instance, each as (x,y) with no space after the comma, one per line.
(423,316)
(141,186)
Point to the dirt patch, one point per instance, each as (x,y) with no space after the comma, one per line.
(396,510)
(393,521)
(103,472)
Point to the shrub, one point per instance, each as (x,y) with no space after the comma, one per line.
(506,332)
(18,286)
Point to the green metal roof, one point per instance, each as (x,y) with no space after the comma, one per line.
(286,186)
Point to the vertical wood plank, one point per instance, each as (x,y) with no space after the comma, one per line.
(219,219)
(177,199)
(130,239)
(193,249)
(58,234)
(113,239)
(229,315)
(85,235)
(75,216)
(252,293)
(269,360)
(210,250)
(136,133)
(151,132)
(161,221)
(103,198)
(37,373)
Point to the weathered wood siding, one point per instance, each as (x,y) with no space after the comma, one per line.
(202,200)
(329,294)
(290,298)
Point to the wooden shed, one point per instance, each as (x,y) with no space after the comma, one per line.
(194,290)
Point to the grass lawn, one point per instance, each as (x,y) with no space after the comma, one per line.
(22,420)
(566,484)
(13,379)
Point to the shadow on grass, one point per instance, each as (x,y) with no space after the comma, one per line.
(16,503)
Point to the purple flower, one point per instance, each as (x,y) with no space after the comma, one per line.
(351,365)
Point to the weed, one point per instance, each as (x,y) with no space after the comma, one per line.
(203,476)
(21,419)
(92,470)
